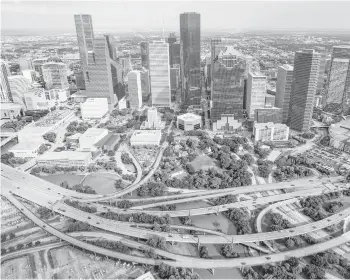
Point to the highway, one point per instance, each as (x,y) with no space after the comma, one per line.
(183,261)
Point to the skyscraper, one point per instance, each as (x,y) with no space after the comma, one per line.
(5,90)
(135,90)
(284,89)
(174,50)
(85,36)
(256,92)
(145,84)
(144,47)
(19,86)
(101,75)
(55,75)
(160,74)
(337,97)
(305,77)
(190,48)
(229,69)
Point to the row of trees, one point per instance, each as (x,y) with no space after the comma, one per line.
(142,218)
(74,226)
(240,218)
(53,169)
(111,245)
(292,167)
(19,247)
(169,272)
(82,207)
(75,127)
(78,188)
(5,236)
(151,189)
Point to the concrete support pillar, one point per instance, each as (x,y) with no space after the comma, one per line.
(199,245)
(211,270)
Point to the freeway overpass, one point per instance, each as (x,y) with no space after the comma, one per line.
(183,261)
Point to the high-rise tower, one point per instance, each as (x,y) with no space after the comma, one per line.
(160,74)
(5,91)
(305,77)
(337,97)
(85,36)
(229,69)
(284,89)
(190,48)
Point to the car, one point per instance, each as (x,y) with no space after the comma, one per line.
(268,258)
(89,218)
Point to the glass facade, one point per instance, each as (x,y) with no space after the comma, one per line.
(337,98)
(144,47)
(85,36)
(190,48)
(160,74)
(228,72)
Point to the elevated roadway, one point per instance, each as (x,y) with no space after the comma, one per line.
(183,261)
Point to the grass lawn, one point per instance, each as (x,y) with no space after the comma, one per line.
(203,162)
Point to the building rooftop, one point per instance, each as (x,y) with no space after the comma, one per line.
(287,67)
(9,106)
(340,131)
(24,146)
(93,132)
(189,116)
(230,50)
(71,155)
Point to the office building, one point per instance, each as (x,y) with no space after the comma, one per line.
(268,114)
(146,137)
(26,149)
(135,89)
(190,45)
(79,79)
(65,159)
(29,75)
(227,124)
(85,37)
(337,96)
(322,70)
(305,77)
(144,47)
(270,100)
(41,99)
(229,69)
(284,89)
(256,92)
(175,59)
(5,91)
(189,121)
(270,132)
(19,86)
(102,77)
(174,78)
(88,142)
(154,120)
(10,110)
(145,84)
(94,108)
(55,75)
(126,64)
(160,74)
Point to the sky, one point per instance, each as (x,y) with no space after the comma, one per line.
(133,16)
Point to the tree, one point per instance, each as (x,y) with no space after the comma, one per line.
(111,153)
(118,183)
(227,251)
(44,213)
(157,242)
(289,243)
(42,149)
(203,252)
(20,246)
(50,136)
(3,251)
(126,159)
(12,235)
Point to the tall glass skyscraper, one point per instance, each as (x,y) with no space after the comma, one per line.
(305,78)
(5,91)
(85,36)
(101,74)
(144,47)
(190,52)
(160,74)
(337,97)
(229,69)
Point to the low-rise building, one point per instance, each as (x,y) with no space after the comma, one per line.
(64,159)
(26,149)
(94,108)
(10,110)
(270,132)
(227,123)
(111,143)
(146,137)
(154,120)
(265,115)
(88,141)
(73,139)
(189,121)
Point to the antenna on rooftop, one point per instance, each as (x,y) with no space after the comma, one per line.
(163,26)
